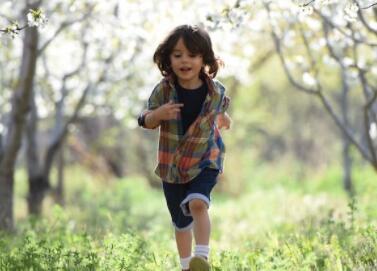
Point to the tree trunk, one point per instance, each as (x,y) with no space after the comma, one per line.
(37,186)
(346,155)
(38,183)
(347,166)
(20,108)
(1,147)
(6,200)
(57,132)
(59,191)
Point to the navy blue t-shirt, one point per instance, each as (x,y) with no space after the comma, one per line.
(192,100)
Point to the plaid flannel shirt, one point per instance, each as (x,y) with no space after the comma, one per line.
(181,157)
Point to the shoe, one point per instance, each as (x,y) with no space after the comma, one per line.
(198,263)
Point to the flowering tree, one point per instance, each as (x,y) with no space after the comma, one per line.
(89,79)
(35,18)
(348,46)
(327,49)
(10,144)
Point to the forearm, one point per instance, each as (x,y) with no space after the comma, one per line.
(151,120)
(223,121)
(225,114)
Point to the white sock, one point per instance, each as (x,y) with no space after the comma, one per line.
(185,263)
(202,250)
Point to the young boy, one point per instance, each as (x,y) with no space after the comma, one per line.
(189,107)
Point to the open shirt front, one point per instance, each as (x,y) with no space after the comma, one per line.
(181,157)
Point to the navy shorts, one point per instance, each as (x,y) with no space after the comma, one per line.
(178,196)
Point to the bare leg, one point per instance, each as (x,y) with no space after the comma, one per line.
(202,224)
(184,243)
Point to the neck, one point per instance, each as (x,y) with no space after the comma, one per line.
(190,84)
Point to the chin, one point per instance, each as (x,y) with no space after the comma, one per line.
(185,78)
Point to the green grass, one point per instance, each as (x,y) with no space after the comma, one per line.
(280,222)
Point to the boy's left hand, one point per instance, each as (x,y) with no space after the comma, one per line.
(223,121)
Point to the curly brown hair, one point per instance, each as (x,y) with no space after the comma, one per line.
(196,40)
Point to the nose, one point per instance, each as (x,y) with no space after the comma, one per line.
(185,58)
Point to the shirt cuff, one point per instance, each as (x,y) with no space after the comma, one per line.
(224,104)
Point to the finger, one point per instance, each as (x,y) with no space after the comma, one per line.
(173,116)
(173,108)
(177,105)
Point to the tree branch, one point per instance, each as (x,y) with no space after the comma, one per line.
(16,29)
(329,47)
(1,146)
(308,3)
(69,75)
(363,19)
(367,125)
(261,60)
(341,30)
(371,5)
(346,130)
(278,48)
(368,109)
(325,28)
(63,26)
(59,138)
(365,7)
(310,55)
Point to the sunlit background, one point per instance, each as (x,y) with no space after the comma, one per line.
(300,163)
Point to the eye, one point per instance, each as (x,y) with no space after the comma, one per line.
(193,55)
(176,55)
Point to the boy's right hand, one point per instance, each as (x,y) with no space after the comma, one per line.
(168,111)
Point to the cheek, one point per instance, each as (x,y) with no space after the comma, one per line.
(171,60)
(173,63)
(200,64)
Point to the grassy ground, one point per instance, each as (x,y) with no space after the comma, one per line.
(276,223)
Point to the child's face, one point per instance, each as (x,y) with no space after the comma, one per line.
(185,65)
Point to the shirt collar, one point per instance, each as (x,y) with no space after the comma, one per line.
(212,89)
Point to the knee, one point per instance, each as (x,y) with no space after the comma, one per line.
(197,205)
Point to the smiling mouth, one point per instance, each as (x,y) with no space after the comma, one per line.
(185,69)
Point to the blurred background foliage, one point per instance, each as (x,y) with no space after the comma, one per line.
(285,156)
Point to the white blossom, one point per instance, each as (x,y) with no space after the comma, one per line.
(236,16)
(374,70)
(326,2)
(329,61)
(36,18)
(306,10)
(299,60)
(347,61)
(308,79)
(350,12)
(289,39)
(373,130)
(13,30)
(351,77)
(339,19)
(361,63)
(290,64)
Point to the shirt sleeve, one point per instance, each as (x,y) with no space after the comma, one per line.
(156,98)
(225,100)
